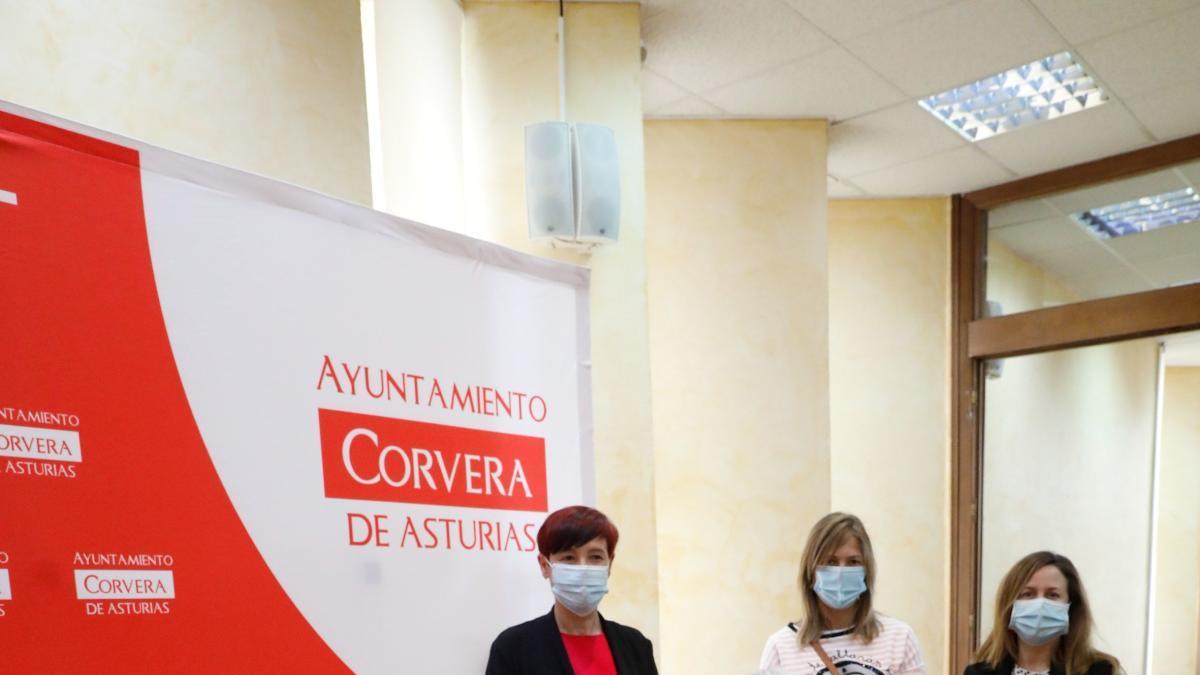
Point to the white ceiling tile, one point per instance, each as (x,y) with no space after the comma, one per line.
(1083,20)
(957,44)
(1077,261)
(896,135)
(1042,235)
(1119,191)
(658,91)
(847,19)
(1167,242)
(1108,284)
(705,44)
(1020,212)
(833,84)
(1071,139)
(652,7)
(1174,271)
(692,106)
(1152,56)
(1169,113)
(1191,172)
(945,173)
(839,189)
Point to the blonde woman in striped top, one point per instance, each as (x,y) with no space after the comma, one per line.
(840,628)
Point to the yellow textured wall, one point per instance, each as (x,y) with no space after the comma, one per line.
(889,335)
(739,343)
(510,80)
(1177,587)
(269,86)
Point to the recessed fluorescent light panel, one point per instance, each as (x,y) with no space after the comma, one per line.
(1142,215)
(1038,91)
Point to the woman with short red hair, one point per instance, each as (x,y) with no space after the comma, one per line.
(575,552)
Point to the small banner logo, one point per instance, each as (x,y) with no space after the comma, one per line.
(124,584)
(57,445)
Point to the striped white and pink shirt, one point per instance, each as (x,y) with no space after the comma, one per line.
(893,652)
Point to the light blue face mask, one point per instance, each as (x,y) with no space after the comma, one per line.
(840,587)
(1038,621)
(579,587)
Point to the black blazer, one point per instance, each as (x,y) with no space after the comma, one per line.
(1006,667)
(536,648)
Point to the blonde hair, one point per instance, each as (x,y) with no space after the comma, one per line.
(826,537)
(1074,654)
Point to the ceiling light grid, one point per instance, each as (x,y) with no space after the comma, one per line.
(1050,87)
(1143,214)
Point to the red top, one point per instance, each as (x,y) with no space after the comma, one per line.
(589,654)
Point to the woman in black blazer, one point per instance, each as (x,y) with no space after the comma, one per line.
(1043,624)
(576,547)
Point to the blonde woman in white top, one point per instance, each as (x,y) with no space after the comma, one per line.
(840,628)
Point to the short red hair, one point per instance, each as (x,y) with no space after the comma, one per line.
(574,526)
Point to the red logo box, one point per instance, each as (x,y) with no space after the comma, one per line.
(385,459)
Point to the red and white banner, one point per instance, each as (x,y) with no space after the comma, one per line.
(249,428)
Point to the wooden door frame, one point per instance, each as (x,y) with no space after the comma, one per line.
(974,339)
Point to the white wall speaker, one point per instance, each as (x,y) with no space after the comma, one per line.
(549,181)
(597,184)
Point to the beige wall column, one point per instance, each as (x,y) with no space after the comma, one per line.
(418,103)
(739,345)
(269,86)
(510,80)
(1177,575)
(889,343)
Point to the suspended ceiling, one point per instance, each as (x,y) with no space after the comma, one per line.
(863,64)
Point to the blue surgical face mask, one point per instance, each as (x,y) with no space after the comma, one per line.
(1038,621)
(579,587)
(840,587)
